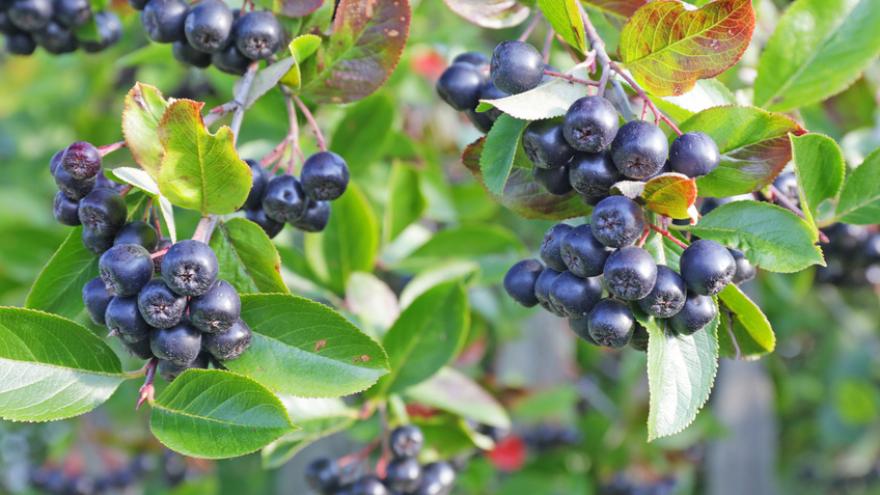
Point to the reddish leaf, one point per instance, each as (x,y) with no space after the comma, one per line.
(620,8)
(299,8)
(671,195)
(491,14)
(522,194)
(668,48)
(366,45)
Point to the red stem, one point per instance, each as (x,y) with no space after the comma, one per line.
(110,148)
(359,455)
(147,391)
(666,234)
(530,28)
(319,136)
(571,79)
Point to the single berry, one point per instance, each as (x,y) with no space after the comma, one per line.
(123,319)
(581,253)
(551,247)
(640,338)
(103,210)
(140,349)
(20,43)
(694,154)
(575,296)
(140,233)
(259,179)
(109,31)
(581,328)
(284,200)
(516,66)
(630,273)
(65,210)
(590,124)
(459,86)
(545,146)
(639,150)
(56,39)
(96,298)
(592,175)
(30,15)
(216,310)
(406,441)
(542,289)
(617,221)
(160,307)
(72,13)
(208,25)
(169,370)
(230,344)
(6,25)
(163,20)
(787,184)
(476,59)
(258,35)
(707,267)
(179,344)
(55,161)
(322,474)
(230,60)
(519,282)
(668,295)
(190,268)
(611,323)
(125,269)
(315,218)
(368,485)
(269,226)
(437,479)
(186,54)
(745,270)
(554,180)
(481,120)
(698,311)
(324,176)
(403,475)
(97,241)
(72,187)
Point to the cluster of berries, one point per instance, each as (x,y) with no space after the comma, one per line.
(54,26)
(55,480)
(579,259)
(622,485)
(404,475)
(546,437)
(209,32)
(304,202)
(464,83)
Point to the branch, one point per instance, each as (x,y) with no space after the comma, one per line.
(319,136)
(147,391)
(569,78)
(530,28)
(240,96)
(110,148)
(666,234)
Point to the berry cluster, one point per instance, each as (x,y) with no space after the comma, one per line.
(53,26)
(304,202)
(209,32)
(464,83)
(579,259)
(403,474)
(546,437)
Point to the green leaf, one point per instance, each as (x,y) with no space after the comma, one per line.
(372,302)
(860,198)
(770,237)
(301,48)
(366,45)
(668,47)
(215,414)
(316,418)
(681,373)
(499,151)
(248,259)
(491,14)
(362,133)
(200,171)
(265,80)
(428,334)
(406,202)
(745,331)
(453,391)
(143,181)
(58,288)
(143,109)
(672,195)
(818,49)
(565,18)
(547,101)
(820,168)
(306,349)
(754,145)
(52,368)
(350,243)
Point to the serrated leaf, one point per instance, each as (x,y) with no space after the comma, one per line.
(818,162)
(547,101)
(705,94)
(860,199)
(668,47)
(681,373)
(771,237)
(499,152)
(248,259)
(490,14)
(350,243)
(371,301)
(215,414)
(58,287)
(143,181)
(316,419)
(51,368)
(754,145)
(143,109)
(671,195)
(428,334)
(453,391)
(564,17)
(818,49)
(406,203)
(301,48)
(200,171)
(744,330)
(306,349)
(522,194)
(366,45)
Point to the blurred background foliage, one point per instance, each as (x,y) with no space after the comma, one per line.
(805,419)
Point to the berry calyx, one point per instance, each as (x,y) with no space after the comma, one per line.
(208,25)
(81,160)
(258,35)
(668,295)
(630,273)
(617,221)
(159,306)
(190,268)
(611,323)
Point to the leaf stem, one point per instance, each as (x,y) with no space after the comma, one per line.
(205,228)
(319,136)
(570,78)
(530,28)
(110,148)
(548,45)
(359,455)
(666,234)
(240,97)
(147,391)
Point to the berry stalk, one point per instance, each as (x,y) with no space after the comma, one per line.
(319,136)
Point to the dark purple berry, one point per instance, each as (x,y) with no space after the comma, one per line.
(516,66)
(630,273)
(694,154)
(208,25)
(123,319)
(611,323)
(97,241)
(640,338)
(56,39)
(140,349)
(403,474)
(406,441)
(188,55)
(259,179)
(554,180)
(592,175)
(103,210)
(73,188)
(786,183)
(519,282)
(163,20)
(368,485)
(216,310)
(160,307)
(617,221)
(668,295)
(575,296)
(745,270)
(639,150)
(125,269)
(230,60)
(551,246)
(437,479)
(698,311)
(545,146)
(315,218)
(269,226)
(284,200)
(707,267)
(460,85)
(590,124)
(55,161)
(109,31)
(542,289)
(96,298)
(140,233)
(30,15)
(66,210)
(481,120)
(72,13)
(581,253)
(323,475)
(179,344)
(324,176)
(476,59)
(258,35)
(169,370)
(190,268)
(230,344)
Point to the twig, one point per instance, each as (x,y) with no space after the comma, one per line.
(530,28)
(219,112)
(125,190)
(359,455)
(147,391)
(291,139)
(570,78)
(319,136)
(548,45)
(598,46)
(205,228)
(110,148)
(666,234)
(246,82)
(658,115)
